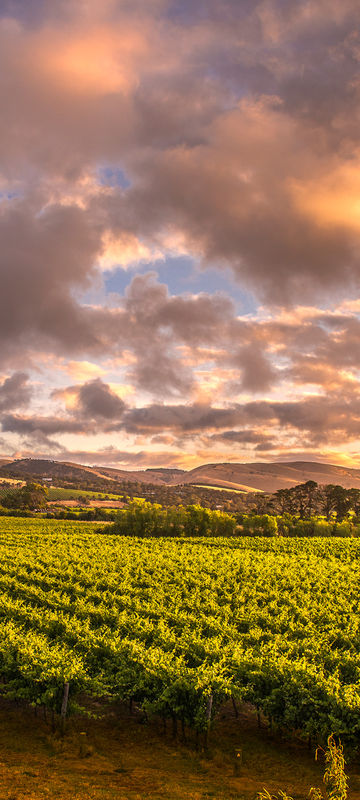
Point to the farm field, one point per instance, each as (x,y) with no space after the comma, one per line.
(59,493)
(180,626)
(218,488)
(78,504)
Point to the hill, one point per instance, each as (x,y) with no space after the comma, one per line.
(256,477)
(272,476)
(33,468)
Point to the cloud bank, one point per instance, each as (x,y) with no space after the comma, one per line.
(138,135)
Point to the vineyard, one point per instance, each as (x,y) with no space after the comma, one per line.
(178,626)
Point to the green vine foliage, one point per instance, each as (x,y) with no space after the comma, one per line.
(179,625)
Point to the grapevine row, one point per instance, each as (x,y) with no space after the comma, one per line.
(180,625)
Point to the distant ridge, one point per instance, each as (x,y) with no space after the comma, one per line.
(260,476)
(174,470)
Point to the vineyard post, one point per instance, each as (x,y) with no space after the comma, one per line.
(237,761)
(83,744)
(64,706)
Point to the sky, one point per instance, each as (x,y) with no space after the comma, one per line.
(180,231)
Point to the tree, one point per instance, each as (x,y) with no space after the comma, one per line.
(338,500)
(32,496)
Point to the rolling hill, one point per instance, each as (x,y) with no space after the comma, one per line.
(272,476)
(256,477)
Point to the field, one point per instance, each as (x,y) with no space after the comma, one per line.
(59,493)
(218,488)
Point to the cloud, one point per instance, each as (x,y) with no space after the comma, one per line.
(233,199)
(104,457)
(43,258)
(15,391)
(312,417)
(83,370)
(258,374)
(232,132)
(93,404)
(317,349)
(247,436)
(47,426)
(156,323)
(225,175)
(183,418)
(253,426)
(95,400)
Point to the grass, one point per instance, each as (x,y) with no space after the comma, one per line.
(124,759)
(59,493)
(218,488)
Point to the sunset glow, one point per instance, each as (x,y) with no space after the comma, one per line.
(180,229)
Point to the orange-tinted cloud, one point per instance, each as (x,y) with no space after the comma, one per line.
(236,128)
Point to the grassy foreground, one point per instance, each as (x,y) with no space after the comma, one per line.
(127,760)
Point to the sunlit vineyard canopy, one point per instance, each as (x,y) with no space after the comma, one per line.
(171,623)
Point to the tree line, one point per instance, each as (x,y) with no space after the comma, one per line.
(142,518)
(305,509)
(308,499)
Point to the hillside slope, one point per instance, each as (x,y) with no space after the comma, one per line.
(263,477)
(272,476)
(27,468)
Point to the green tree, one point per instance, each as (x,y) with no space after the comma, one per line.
(32,496)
